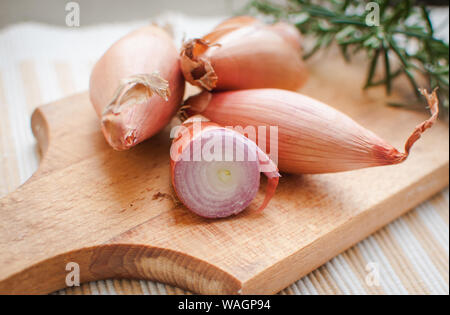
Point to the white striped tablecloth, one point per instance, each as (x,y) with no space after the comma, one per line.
(39,64)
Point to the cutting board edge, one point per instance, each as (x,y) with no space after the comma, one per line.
(255,284)
(123,261)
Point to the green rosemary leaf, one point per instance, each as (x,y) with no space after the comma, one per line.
(426,15)
(348,21)
(312,51)
(400,54)
(298,19)
(383,81)
(317,10)
(345,33)
(373,65)
(267,8)
(414,106)
(443,79)
(416,34)
(402,23)
(387,68)
(344,51)
(412,81)
(372,42)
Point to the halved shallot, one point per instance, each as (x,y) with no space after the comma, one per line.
(312,136)
(216,171)
(244,53)
(136,86)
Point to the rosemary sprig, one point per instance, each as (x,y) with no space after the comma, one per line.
(404,31)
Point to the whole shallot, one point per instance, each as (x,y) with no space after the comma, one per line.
(312,136)
(216,171)
(136,86)
(244,53)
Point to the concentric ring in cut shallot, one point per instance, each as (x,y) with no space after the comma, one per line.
(217,173)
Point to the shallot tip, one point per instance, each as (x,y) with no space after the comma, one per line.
(433,105)
(195,68)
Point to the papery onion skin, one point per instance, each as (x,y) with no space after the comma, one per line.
(136,86)
(312,136)
(243,53)
(198,192)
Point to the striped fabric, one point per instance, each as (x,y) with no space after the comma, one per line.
(39,64)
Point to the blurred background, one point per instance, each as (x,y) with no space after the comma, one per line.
(104,11)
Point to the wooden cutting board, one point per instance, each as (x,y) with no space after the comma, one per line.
(114,213)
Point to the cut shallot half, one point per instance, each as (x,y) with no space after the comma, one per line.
(216,171)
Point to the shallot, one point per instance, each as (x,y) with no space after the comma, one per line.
(216,171)
(244,53)
(312,136)
(136,86)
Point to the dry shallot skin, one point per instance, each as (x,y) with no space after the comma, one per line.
(217,189)
(312,136)
(137,86)
(244,53)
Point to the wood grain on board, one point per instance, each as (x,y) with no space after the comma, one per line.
(114,213)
